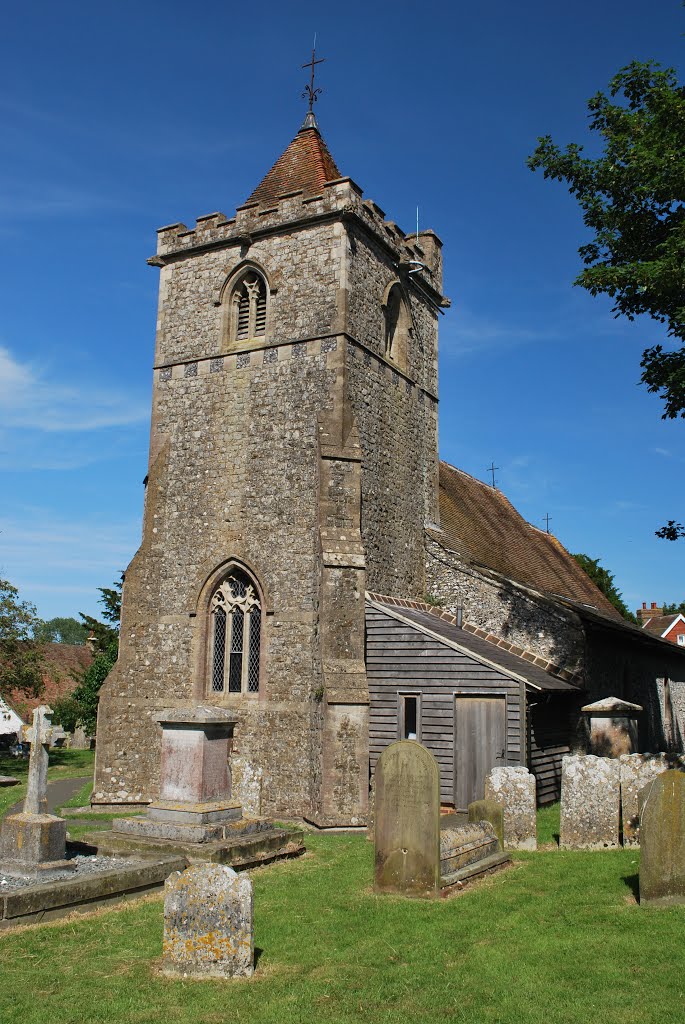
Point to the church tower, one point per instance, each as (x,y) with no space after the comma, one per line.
(293,465)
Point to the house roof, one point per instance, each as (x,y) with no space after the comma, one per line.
(305,165)
(463,639)
(659,625)
(61,669)
(482,525)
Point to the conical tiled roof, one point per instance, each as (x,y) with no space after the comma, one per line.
(306,164)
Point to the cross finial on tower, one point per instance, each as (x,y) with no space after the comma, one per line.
(310,92)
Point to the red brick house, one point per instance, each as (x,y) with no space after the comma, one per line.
(666,627)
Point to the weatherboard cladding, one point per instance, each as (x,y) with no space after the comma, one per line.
(402,659)
(479,523)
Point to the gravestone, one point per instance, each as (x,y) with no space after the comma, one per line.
(513,788)
(208,923)
(636,770)
(662,840)
(590,798)
(33,840)
(407,820)
(492,812)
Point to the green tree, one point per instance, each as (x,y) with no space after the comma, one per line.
(106,634)
(604,581)
(674,609)
(20,653)
(61,631)
(632,198)
(81,707)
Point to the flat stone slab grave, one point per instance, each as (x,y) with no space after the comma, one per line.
(45,901)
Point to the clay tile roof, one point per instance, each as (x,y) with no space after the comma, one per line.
(306,164)
(658,624)
(485,528)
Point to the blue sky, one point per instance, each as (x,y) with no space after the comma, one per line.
(118,119)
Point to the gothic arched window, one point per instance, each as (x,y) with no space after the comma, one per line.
(248,307)
(397,326)
(236,618)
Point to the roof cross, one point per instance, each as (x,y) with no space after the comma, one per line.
(547,517)
(491,469)
(309,90)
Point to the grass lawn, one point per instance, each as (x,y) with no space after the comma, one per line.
(64,764)
(556,939)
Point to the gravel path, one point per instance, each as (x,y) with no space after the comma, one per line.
(84,866)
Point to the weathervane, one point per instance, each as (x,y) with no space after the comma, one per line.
(309,91)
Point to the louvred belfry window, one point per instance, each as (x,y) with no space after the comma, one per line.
(236,632)
(249,307)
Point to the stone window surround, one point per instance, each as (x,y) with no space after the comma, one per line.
(398,335)
(203,646)
(227,297)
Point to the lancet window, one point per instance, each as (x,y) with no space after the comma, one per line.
(236,618)
(248,307)
(397,324)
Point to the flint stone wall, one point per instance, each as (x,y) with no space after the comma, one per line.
(590,793)
(236,470)
(208,923)
(502,609)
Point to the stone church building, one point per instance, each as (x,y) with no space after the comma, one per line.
(294,491)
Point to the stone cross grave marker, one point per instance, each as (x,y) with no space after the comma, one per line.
(407,820)
(39,736)
(33,840)
(208,923)
(662,840)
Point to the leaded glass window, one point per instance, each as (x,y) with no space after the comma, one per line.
(236,633)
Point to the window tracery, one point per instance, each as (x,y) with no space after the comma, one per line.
(236,615)
(248,307)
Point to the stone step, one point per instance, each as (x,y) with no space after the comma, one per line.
(242,852)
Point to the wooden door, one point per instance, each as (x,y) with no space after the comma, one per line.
(480,744)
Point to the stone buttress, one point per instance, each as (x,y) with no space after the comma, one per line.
(293,458)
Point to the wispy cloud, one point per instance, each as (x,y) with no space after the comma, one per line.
(30,399)
(466,333)
(663,451)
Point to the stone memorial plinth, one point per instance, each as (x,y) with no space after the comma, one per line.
(636,771)
(208,923)
(34,841)
(407,820)
(195,815)
(195,784)
(513,788)
(612,726)
(590,800)
(492,812)
(662,840)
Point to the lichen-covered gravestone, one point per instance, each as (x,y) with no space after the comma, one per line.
(590,797)
(637,770)
(662,840)
(208,923)
(407,820)
(513,789)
